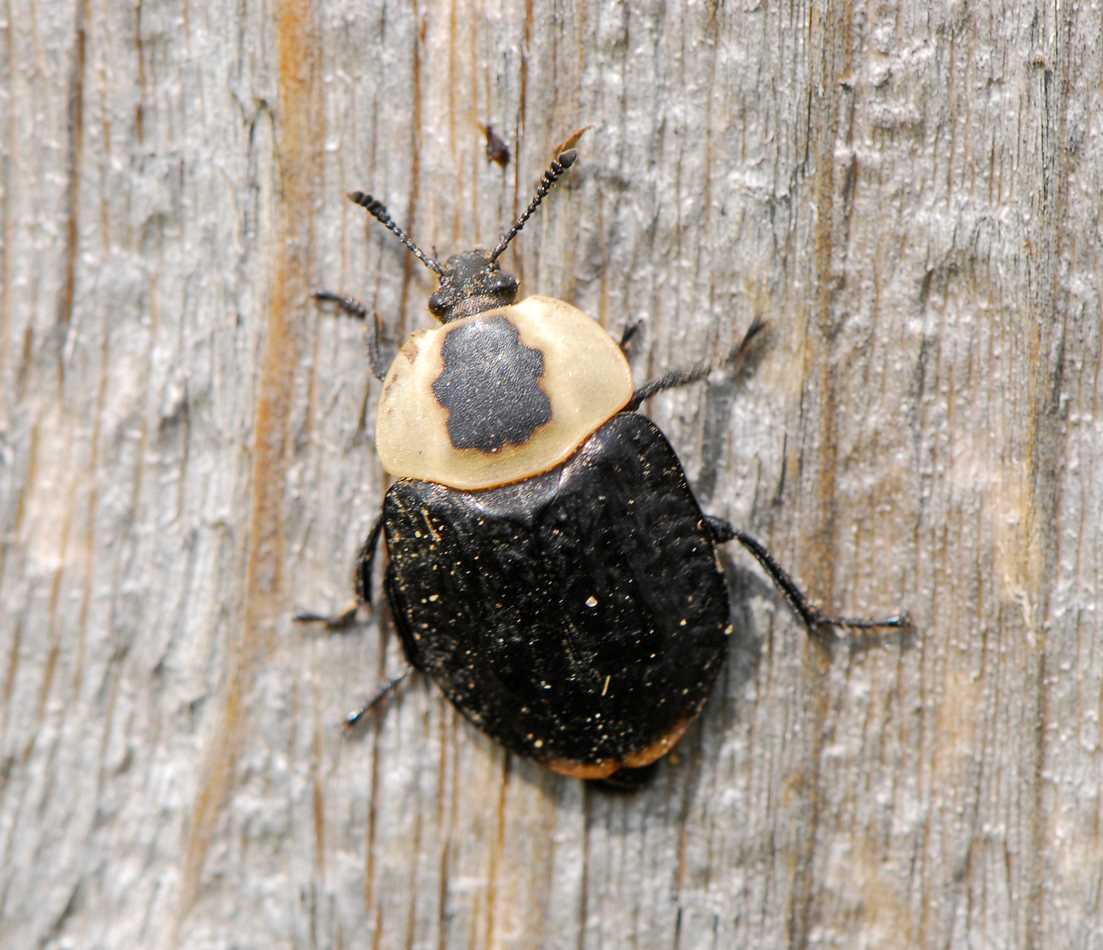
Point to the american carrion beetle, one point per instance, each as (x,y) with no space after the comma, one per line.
(550,567)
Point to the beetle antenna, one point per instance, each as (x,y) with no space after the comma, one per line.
(551,176)
(379,211)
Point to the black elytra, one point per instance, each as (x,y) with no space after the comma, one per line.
(582,641)
(577,614)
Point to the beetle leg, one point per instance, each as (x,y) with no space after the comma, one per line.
(365,561)
(358,311)
(720,529)
(338,621)
(630,330)
(362,574)
(380,697)
(735,359)
(814,618)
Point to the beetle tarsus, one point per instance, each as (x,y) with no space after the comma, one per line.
(815,620)
(352,308)
(376,702)
(356,310)
(339,621)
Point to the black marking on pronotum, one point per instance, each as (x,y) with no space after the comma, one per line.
(490,385)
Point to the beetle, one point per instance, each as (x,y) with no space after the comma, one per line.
(549,566)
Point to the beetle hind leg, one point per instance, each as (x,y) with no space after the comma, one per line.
(362,577)
(814,619)
(353,719)
(414,663)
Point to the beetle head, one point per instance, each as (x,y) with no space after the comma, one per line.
(470,282)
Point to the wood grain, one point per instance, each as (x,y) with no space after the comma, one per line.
(909,194)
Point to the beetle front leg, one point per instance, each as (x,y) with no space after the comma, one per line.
(358,311)
(628,334)
(814,619)
(362,576)
(734,361)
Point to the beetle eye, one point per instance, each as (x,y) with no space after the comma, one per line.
(436,305)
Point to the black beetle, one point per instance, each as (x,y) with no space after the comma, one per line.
(550,567)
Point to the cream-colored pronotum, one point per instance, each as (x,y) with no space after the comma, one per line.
(586,379)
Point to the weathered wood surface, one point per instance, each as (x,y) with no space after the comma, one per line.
(908,192)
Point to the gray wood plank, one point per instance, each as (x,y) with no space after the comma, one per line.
(907,192)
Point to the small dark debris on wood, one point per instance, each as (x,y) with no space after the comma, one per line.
(571,140)
(496,149)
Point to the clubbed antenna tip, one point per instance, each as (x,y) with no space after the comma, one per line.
(558,167)
(379,211)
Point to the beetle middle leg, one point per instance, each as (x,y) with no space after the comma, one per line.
(814,619)
(362,576)
(362,584)
(735,359)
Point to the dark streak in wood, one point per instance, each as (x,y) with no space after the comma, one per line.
(584,889)
(12,153)
(827,63)
(75,160)
(449,780)
(318,800)
(494,870)
(140,54)
(408,262)
(300,131)
(1047,439)
(522,112)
